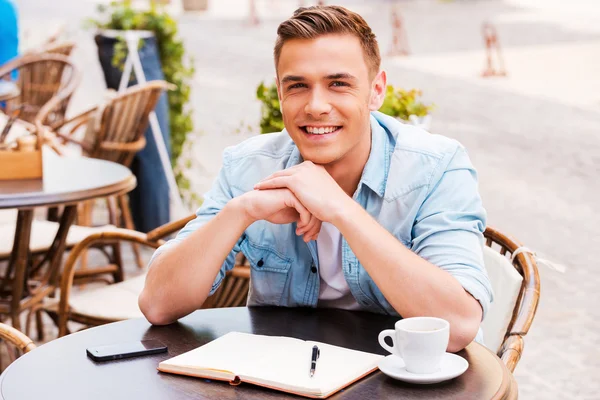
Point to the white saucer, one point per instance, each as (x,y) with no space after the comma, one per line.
(450,367)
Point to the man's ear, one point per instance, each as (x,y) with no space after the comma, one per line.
(378,91)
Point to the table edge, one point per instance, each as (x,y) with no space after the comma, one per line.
(124,186)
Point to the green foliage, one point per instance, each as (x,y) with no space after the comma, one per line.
(401,103)
(120,15)
(398,103)
(271,119)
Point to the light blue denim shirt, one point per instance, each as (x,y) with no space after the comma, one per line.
(421,187)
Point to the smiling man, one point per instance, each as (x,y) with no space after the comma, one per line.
(345,208)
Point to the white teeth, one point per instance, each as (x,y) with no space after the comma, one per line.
(320,131)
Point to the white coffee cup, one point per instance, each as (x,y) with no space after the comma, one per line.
(420,342)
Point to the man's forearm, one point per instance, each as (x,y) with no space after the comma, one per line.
(412,285)
(181,277)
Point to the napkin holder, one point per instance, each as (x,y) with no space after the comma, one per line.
(24,162)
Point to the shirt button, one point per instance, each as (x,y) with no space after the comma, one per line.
(260,263)
(313,269)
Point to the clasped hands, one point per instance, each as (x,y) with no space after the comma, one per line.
(305,194)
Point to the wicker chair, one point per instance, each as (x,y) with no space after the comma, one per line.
(20,343)
(526,299)
(17,338)
(64,48)
(41,77)
(114,131)
(118,301)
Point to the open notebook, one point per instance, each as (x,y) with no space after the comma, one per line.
(277,362)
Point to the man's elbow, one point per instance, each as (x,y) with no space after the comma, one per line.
(153,310)
(462,333)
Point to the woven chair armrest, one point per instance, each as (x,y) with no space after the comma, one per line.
(240,271)
(133,147)
(68,273)
(169,228)
(7,68)
(76,120)
(18,338)
(511,351)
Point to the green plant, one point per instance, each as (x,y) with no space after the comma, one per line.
(122,16)
(402,103)
(271,119)
(397,103)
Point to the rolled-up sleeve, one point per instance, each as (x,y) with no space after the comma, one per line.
(448,231)
(213,202)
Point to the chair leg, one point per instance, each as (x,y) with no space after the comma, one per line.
(16,321)
(39,325)
(84,218)
(118,275)
(128,221)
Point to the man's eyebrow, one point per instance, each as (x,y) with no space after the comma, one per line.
(291,78)
(341,75)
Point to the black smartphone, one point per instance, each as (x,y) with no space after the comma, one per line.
(125,350)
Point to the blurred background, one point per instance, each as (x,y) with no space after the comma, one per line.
(516,81)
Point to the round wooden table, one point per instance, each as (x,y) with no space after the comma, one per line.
(66,181)
(60,369)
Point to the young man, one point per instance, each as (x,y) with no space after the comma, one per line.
(345,208)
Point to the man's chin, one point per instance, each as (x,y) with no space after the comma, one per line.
(319,158)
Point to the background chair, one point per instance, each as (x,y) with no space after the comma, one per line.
(16,338)
(119,301)
(41,77)
(113,131)
(516,288)
(64,48)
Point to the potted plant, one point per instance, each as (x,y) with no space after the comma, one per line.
(399,103)
(162,56)
(406,106)
(271,119)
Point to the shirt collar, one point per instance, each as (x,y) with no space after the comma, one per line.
(377,167)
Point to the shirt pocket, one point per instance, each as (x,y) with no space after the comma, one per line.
(268,273)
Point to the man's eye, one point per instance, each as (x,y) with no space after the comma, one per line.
(296,86)
(339,84)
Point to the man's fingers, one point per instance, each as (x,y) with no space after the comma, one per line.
(305,215)
(308,227)
(273,183)
(313,234)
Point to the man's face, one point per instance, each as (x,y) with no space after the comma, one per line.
(326,96)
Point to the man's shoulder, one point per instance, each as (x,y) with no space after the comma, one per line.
(417,140)
(418,159)
(256,158)
(275,146)
(413,139)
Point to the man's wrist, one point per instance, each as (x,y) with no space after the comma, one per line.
(344,212)
(237,207)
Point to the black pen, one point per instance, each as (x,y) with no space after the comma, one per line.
(313,362)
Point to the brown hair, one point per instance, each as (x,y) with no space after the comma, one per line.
(312,22)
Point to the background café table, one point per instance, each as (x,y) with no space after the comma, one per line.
(66,182)
(61,370)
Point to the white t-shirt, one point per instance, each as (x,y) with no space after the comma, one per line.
(334,292)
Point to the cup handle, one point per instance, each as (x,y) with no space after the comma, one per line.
(388,333)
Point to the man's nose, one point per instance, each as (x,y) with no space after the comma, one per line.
(318,103)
